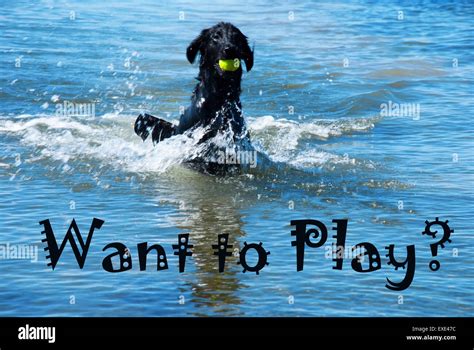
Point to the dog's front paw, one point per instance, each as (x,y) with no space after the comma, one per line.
(144,125)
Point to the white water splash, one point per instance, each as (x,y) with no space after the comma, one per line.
(111,141)
(281,138)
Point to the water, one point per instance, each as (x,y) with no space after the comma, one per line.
(312,103)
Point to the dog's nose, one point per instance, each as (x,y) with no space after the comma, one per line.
(230,52)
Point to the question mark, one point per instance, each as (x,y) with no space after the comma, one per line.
(434,264)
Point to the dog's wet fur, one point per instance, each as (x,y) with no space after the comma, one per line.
(215,103)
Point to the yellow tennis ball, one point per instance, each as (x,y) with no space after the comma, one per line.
(229,65)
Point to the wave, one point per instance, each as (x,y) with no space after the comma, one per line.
(281,138)
(109,141)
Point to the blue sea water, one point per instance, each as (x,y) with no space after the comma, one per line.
(312,103)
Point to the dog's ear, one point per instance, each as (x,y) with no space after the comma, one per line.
(195,46)
(247,53)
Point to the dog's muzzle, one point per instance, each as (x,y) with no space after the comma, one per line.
(229,65)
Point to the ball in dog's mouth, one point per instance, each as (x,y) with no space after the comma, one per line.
(230,65)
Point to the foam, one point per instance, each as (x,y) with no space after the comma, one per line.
(110,141)
(280,138)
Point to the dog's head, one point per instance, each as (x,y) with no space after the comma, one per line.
(222,47)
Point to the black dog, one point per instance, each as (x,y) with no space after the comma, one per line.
(215,103)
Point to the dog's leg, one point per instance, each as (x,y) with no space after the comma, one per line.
(160,129)
(144,124)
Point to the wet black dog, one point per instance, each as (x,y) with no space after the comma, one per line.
(215,103)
